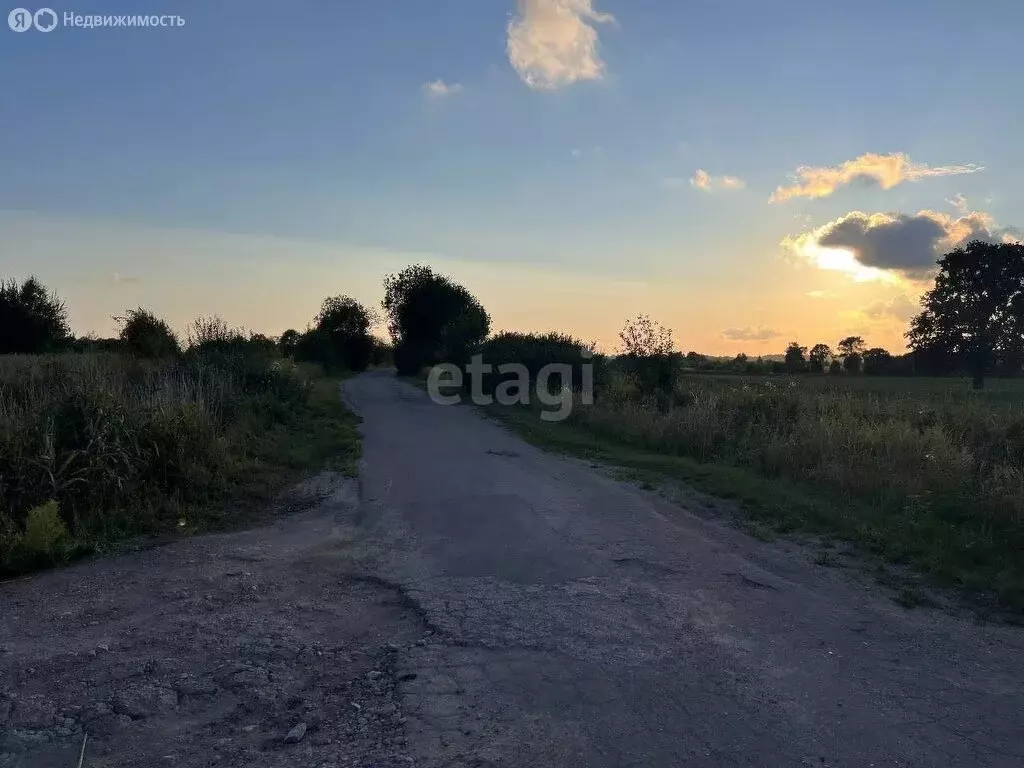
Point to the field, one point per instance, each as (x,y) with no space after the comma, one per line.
(96,448)
(922,472)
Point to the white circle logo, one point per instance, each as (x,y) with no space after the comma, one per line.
(45,19)
(20,20)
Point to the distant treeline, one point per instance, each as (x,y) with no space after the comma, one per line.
(971,322)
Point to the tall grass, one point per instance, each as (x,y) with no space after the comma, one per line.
(124,445)
(936,481)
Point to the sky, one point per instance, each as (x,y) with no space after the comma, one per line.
(748,173)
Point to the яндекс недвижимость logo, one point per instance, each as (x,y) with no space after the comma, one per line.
(22,19)
(46,20)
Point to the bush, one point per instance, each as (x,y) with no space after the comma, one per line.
(45,540)
(31,319)
(143,334)
(534,352)
(340,338)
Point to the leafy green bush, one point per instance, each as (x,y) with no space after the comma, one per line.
(44,541)
(534,352)
(143,334)
(31,319)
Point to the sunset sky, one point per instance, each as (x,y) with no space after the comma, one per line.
(746,172)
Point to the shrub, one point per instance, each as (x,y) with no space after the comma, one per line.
(143,334)
(31,319)
(340,337)
(534,352)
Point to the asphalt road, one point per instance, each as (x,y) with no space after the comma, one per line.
(579,621)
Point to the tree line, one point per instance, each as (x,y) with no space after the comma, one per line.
(971,321)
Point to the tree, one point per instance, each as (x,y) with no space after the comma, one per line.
(648,353)
(795,360)
(32,320)
(835,366)
(288,341)
(340,336)
(851,345)
(644,337)
(431,319)
(143,334)
(974,316)
(878,361)
(820,357)
(851,349)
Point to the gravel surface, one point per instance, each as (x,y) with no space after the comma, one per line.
(477,602)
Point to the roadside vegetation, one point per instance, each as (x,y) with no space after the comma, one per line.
(146,433)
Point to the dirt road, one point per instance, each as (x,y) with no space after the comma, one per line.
(481,603)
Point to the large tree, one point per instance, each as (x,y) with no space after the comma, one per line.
(795,358)
(974,316)
(878,361)
(851,349)
(431,319)
(340,337)
(819,358)
(32,319)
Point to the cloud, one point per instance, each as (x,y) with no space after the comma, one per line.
(885,171)
(553,43)
(886,246)
(438,89)
(821,294)
(705,182)
(901,307)
(750,334)
(124,279)
(959,202)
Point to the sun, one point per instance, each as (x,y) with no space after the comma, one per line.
(845,260)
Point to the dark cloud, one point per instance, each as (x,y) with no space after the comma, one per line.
(903,242)
(899,242)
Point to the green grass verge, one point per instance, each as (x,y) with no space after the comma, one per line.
(322,436)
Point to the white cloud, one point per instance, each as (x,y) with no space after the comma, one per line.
(119,278)
(901,307)
(885,171)
(891,246)
(438,89)
(553,43)
(705,182)
(959,202)
(750,334)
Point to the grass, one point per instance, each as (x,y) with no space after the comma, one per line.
(923,473)
(98,448)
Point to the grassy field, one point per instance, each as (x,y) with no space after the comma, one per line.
(97,448)
(922,472)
